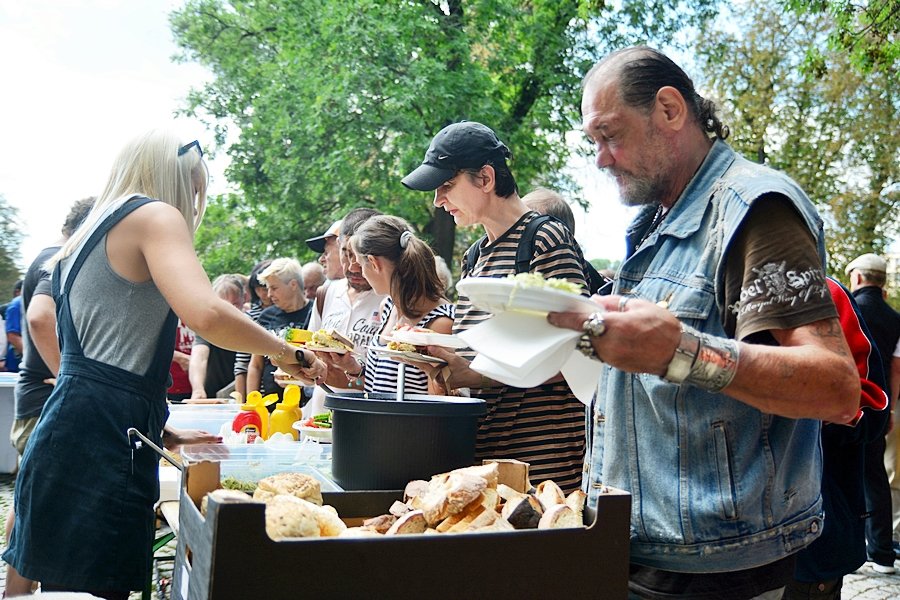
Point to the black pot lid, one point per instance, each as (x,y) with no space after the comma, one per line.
(413,404)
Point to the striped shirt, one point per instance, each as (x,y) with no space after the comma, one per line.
(544,425)
(242,359)
(382,371)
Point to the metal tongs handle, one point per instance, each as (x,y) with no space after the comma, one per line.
(162,452)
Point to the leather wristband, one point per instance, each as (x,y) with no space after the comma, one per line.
(685,355)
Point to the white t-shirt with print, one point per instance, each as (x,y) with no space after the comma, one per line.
(358,321)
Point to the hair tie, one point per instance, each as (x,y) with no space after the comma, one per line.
(404,239)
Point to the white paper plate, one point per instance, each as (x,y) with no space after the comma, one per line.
(408,355)
(317,433)
(499,295)
(421,338)
(315,348)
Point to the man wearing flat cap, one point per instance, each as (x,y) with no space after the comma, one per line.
(868,275)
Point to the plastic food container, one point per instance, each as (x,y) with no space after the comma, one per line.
(252,462)
(208,417)
(379,443)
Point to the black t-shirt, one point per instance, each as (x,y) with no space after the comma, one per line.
(773,275)
(219,367)
(773,280)
(276,320)
(31,391)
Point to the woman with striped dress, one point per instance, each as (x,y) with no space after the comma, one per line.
(466,167)
(397,263)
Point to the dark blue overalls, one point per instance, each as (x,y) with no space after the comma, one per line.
(84,498)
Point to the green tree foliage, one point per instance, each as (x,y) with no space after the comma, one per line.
(866,31)
(10,242)
(829,126)
(335,100)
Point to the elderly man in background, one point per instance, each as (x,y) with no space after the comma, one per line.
(313,278)
(212,367)
(712,421)
(868,275)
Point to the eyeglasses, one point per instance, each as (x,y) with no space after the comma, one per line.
(187,147)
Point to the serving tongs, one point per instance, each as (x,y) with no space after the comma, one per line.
(174,460)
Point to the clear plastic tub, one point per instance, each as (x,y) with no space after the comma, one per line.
(252,462)
(202,416)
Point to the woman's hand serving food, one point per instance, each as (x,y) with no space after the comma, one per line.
(301,364)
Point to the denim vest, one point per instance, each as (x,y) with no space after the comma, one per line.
(716,484)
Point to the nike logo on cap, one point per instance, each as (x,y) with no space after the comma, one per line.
(443,157)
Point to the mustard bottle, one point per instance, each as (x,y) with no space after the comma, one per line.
(287,412)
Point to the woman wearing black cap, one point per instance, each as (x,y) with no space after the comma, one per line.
(466,168)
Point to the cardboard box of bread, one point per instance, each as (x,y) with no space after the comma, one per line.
(481,531)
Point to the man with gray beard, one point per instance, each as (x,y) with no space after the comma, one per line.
(722,346)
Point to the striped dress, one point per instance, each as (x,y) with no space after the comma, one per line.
(382,371)
(544,425)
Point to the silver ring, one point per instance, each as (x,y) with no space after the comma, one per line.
(594,325)
(622,302)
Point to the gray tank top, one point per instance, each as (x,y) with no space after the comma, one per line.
(118,321)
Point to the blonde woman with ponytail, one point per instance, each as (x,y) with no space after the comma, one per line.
(397,263)
(85,492)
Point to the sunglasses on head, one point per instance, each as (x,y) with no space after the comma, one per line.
(187,147)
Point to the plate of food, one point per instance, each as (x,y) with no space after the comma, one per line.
(422,336)
(285,378)
(297,337)
(317,427)
(404,352)
(329,341)
(525,292)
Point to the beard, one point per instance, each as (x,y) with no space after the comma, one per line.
(357,281)
(635,190)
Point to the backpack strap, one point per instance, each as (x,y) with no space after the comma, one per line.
(320,298)
(525,250)
(471,256)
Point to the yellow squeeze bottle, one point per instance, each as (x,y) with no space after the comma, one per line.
(287,412)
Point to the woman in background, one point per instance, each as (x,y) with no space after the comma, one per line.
(85,493)
(259,301)
(397,263)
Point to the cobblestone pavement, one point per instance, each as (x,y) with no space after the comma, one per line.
(865,584)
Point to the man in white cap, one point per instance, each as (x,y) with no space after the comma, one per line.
(868,275)
(327,246)
(350,306)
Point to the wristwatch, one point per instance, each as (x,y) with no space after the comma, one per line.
(685,354)
(301,359)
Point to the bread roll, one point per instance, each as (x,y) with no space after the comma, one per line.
(290,517)
(294,484)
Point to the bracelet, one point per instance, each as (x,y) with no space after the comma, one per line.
(586,347)
(355,380)
(716,363)
(281,353)
(703,360)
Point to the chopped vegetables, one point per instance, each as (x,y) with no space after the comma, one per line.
(322,421)
(536,280)
(233,483)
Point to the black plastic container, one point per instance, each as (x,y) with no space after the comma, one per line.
(379,443)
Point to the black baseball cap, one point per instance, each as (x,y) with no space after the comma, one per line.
(317,244)
(465,145)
